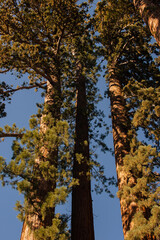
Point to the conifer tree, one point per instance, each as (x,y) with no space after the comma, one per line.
(126,48)
(149,10)
(82,212)
(143,160)
(50,155)
(34,40)
(42,158)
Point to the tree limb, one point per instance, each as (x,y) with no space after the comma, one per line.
(17,135)
(24,87)
(4,71)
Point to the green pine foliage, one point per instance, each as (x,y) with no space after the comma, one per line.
(143,160)
(143,192)
(29,176)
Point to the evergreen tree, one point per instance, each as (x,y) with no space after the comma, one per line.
(82,213)
(34,37)
(126,48)
(39,39)
(143,160)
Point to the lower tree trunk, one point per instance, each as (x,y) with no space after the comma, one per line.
(28,232)
(150,12)
(82,214)
(120,126)
(52,106)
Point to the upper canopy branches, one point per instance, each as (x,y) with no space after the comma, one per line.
(34,34)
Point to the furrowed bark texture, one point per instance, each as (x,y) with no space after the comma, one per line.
(150,12)
(82,214)
(32,222)
(120,126)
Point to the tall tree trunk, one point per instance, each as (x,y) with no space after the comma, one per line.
(52,106)
(82,214)
(120,126)
(150,12)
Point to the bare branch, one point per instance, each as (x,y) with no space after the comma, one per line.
(25,87)
(59,41)
(123,48)
(124,63)
(17,135)
(4,71)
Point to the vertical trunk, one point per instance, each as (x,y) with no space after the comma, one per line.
(28,233)
(120,126)
(150,12)
(82,215)
(52,106)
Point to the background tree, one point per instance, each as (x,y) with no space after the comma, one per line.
(82,211)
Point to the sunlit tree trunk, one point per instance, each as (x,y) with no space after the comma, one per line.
(82,214)
(52,106)
(150,12)
(120,126)
(28,233)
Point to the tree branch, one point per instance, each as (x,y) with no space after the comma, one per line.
(24,87)
(122,49)
(17,135)
(4,71)
(59,41)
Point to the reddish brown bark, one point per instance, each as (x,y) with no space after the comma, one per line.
(27,233)
(82,215)
(150,12)
(52,105)
(120,126)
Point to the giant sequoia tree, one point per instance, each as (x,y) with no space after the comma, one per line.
(82,213)
(127,50)
(35,40)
